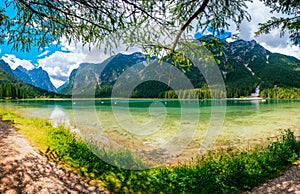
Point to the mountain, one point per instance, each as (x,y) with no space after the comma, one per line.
(103,74)
(37,77)
(12,87)
(5,67)
(245,66)
(22,74)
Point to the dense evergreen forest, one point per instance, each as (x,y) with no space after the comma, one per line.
(283,93)
(155,89)
(12,88)
(287,93)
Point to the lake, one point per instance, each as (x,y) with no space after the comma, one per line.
(168,130)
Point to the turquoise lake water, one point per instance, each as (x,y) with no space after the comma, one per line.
(183,128)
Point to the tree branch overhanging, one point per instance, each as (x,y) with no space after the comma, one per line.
(188,22)
(61,11)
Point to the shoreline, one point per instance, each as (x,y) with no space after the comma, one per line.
(142,99)
(24,170)
(40,126)
(42,169)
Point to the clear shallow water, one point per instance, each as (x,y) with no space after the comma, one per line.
(180,128)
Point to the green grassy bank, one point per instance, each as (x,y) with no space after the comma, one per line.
(229,172)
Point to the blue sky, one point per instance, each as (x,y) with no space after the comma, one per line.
(34,54)
(60,59)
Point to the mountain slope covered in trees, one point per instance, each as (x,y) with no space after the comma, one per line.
(13,88)
(245,66)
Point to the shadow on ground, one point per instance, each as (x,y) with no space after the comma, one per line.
(289,182)
(24,171)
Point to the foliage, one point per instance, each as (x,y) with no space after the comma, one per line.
(244,66)
(66,148)
(3,22)
(231,172)
(12,88)
(201,93)
(227,171)
(35,130)
(132,22)
(149,89)
(110,23)
(289,22)
(188,94)
(144,23)
(287,93)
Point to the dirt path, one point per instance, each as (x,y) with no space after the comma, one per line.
(22,170)
(289,182)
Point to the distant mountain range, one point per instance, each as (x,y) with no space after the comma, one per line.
(245,65)
(12,87)
(103,74)
(36,77)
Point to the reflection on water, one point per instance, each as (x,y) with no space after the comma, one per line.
(59,117)
(246,121)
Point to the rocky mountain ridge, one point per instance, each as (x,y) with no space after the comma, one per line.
(245,65)
(36,77)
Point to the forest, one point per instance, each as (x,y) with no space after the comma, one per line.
(12,88)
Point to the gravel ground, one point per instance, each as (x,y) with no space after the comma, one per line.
(289,182)
(22,170)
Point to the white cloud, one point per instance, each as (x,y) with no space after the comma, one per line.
(259,13)
(289,49)
(60,64)
(272,41)
(44,53)
(56,82)
(14,62)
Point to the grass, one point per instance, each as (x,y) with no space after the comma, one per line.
(229,172)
